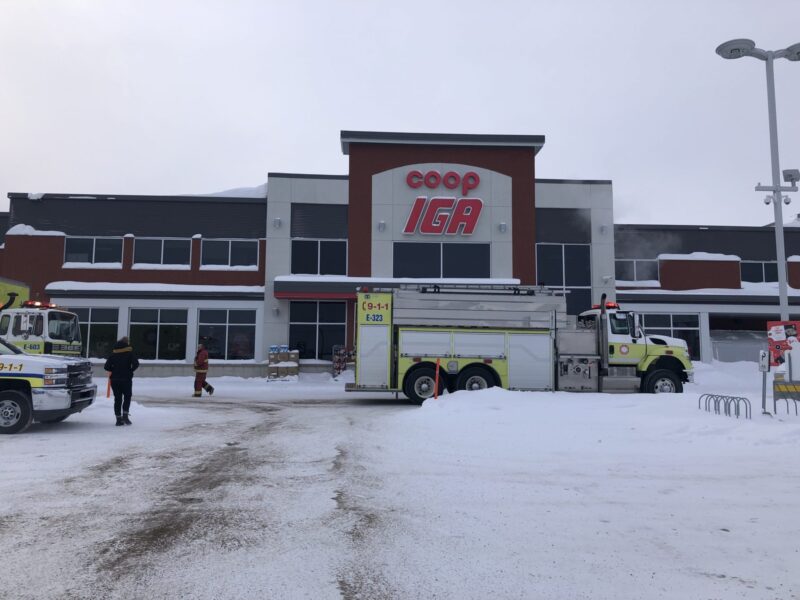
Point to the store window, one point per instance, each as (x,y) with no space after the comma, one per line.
(316,327)
(149,251)
(98,330)
(227,334)
(319,257)
(566,267)
(759,271)
(636,270)
(96,250)
(158,333)
(683,326)
(229,253)
(441,260)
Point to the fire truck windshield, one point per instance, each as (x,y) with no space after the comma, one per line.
(63,326)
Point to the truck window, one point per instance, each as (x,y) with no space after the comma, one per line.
(5,321)
(38,325)
(619,323)
(17,328)
(63,326)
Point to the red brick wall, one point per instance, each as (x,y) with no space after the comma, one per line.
(368,159)
(699,274)
(792,273)
(38,260)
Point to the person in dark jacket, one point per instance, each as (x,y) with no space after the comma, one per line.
(121,365)
(200,372)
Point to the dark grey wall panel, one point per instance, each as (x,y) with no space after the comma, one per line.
(177,216)
(564,225)
(749,243)
(4,218)
(328,221)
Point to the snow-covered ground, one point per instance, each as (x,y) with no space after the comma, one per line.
(298,490)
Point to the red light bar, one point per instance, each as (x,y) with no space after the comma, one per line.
(608,305)
(37,304)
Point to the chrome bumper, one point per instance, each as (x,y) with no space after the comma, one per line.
(63,399)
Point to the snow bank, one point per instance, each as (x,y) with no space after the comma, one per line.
(90,286)
(392,280)
(21,229)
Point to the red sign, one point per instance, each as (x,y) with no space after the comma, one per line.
(782,336)
(443,215)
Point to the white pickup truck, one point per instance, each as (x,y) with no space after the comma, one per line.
(43,388)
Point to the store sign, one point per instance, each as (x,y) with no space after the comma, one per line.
(782,336)
(443,214)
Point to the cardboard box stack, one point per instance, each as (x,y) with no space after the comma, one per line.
(283,362)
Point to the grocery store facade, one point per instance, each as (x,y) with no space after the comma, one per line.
(280,265)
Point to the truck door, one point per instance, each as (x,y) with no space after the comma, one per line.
(624,347)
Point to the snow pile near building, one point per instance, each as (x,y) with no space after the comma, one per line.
(259,191)
(22,229)
(699,256)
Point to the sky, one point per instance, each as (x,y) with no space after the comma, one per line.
(198,96)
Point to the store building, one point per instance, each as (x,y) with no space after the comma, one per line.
(282,266)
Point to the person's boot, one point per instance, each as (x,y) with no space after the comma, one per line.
(209,388)
(126,420)
(120,421)
(196,394)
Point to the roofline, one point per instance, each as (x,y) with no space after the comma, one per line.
(652,227)
(307,176)
(578,181)
(440,139)
(139,198)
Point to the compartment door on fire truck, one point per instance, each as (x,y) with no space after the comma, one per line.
(374,340)
(530,361)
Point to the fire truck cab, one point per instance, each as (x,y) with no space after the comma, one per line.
(41,328)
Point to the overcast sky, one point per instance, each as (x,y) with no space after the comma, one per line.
(169,96)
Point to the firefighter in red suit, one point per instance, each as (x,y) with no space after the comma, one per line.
(200,372)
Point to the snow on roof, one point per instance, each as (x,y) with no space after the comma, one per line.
(94,286)
(35,195)
(259,191)
(645,283)
(21,229)
(794,258)
(748,289)
(699,256)
(390,280)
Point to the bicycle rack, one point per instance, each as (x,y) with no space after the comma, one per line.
(785,399)
(727,405)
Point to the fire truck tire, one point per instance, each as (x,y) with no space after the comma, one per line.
(663,381)
(474,378)
(56,420)
(420,383)
(16,412)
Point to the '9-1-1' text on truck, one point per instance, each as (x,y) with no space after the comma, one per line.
(519,338)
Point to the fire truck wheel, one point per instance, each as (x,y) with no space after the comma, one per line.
(663,381)
(420,383)
(474,378)
(15,412)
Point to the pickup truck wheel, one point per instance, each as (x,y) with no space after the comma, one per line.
(663,381)
(474,378)
(55,420)
(420,384)
(15,412)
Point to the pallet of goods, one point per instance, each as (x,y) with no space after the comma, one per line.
(283,362)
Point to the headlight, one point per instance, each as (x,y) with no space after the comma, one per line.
(55,370)
(55,381)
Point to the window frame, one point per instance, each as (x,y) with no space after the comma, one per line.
(441,274)
(634,265)
(319,253)
(86,343)
(158,323)
(212,267)
(564,287)
(94,239)
(162,263)
(763,267)
(227,326)
(672,327)
(317,323)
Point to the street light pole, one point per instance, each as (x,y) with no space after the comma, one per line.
(737,49)
(780,246)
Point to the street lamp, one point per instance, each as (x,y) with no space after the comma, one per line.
(738,49)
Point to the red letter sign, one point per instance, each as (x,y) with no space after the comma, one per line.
(466,214)
(416,213)
(435,218)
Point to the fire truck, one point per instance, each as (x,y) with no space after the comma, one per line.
(41,328)
(415,338)
(44,388)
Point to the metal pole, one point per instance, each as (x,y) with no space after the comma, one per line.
(780,247)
